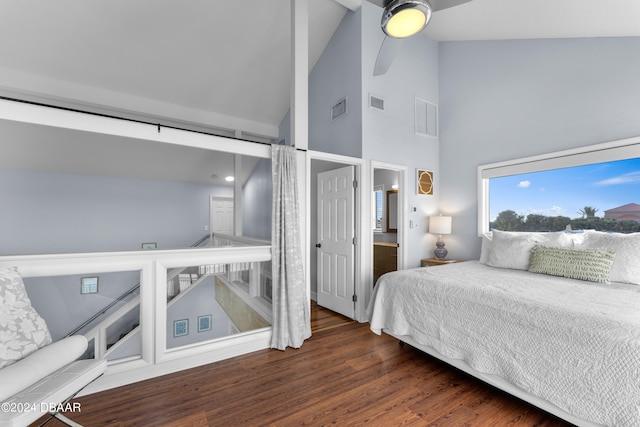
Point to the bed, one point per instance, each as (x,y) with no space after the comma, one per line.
(519,320)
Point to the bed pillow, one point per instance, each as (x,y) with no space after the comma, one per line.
(22,330)
(485,249)
(626,267)
(512,249)
(593,265)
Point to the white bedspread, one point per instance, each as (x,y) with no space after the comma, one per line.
(574,343)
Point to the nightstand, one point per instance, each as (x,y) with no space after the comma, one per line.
(430,262)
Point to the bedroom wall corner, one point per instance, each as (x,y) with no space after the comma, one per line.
(508,99)
(389,135)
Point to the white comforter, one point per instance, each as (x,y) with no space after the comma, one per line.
(574,343)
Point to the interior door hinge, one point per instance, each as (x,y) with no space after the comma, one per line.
(355,240)
(354,298)
(355,184)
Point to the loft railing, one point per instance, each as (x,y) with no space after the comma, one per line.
(104,310)
(115,302)
(231,270)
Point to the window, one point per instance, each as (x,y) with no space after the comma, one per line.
(378,192)
(596,187)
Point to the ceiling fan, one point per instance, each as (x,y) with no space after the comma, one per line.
(401,19)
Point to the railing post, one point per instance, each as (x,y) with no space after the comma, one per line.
(101,343)
(254,279)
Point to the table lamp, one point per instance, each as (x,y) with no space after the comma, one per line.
(440,225)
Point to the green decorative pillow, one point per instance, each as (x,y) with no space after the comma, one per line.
(593,265)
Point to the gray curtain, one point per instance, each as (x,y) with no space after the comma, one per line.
(291,319)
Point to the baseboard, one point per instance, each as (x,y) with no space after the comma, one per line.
(121,374)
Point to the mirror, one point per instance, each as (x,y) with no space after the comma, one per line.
(392,211)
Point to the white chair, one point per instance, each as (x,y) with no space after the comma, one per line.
(45,381)
(37,376)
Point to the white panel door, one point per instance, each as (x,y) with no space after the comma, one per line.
(336,240)
(221,215)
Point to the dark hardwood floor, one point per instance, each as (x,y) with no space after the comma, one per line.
(344,376)
(323,319)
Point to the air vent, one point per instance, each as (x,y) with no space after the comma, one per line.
(375,102)
(339,109)
(426,118)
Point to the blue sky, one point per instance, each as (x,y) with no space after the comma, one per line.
(564,192)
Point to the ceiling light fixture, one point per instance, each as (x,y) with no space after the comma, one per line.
(404,18)
(229,178)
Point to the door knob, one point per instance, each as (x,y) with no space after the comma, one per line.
(318,245)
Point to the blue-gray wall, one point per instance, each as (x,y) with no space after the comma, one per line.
(508,99)
(390,136)
(57,213)
(337,75)
(198,301)
(58,300)
(256,202)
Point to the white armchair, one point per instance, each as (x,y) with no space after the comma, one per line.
(36,376)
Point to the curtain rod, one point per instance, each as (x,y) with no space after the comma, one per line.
(109,116)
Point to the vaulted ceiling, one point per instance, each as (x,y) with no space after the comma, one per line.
(222,60)
(226,64)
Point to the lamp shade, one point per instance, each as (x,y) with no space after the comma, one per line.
(440,224)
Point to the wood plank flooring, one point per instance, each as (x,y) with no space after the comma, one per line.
(323,319)
(344,376)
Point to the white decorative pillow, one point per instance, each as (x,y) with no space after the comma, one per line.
(22,330)
(583,264)
(485,250)
(517,238)
(626,266)
(559,239)
(512,249)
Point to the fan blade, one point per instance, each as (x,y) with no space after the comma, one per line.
(437,5)
(388,50)
(380,3)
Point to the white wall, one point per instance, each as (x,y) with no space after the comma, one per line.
(389,136)
(509,99)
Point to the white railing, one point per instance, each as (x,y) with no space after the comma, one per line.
(99,333)
(154,267)
(218,240)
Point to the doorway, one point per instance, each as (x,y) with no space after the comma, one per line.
(336,240)
(221,215)
(334,265)
(388,218)
(385,230)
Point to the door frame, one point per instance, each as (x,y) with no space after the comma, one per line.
(403,202)
(213,197)
(359,223)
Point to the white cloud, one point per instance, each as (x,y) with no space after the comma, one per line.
(550,211)
(524,184)
(622,179)
(556,210)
